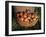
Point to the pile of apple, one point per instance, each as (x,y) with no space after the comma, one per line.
(26,19)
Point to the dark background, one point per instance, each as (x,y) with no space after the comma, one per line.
(17,27)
